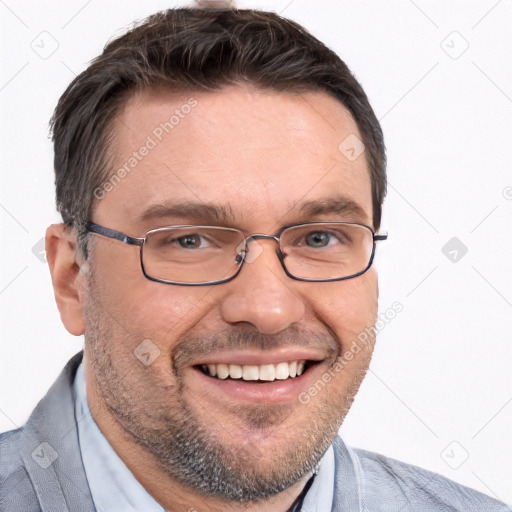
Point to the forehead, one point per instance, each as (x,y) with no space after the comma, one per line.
(258,155)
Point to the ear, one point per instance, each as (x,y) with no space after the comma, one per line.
(67,281)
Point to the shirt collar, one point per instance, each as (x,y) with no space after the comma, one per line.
(320,496)
(113,486)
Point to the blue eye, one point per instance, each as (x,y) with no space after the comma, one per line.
(321,239)
(318,239)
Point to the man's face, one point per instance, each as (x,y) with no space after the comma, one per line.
(259,157)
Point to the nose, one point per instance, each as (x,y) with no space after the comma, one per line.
(262,294)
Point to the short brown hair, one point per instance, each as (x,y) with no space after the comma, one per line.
(200,51)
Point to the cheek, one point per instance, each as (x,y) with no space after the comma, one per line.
(142,306)
(152,311)
(347,307)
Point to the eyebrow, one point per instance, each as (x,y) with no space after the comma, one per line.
(339,205)
(196,211)
(211,213)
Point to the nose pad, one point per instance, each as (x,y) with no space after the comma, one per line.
(249,250)
(241,251)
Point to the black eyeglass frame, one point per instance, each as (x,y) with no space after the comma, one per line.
(140,241)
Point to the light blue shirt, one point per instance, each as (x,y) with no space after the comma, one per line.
(115,489)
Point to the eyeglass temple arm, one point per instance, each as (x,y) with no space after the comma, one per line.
(377,238)
(112,233)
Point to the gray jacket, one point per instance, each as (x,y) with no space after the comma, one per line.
(41,470)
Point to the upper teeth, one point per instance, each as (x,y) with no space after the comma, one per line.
(267,372)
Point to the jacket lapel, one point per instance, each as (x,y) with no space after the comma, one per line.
(51,452)
(346,488)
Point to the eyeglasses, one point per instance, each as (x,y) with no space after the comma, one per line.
(207,255)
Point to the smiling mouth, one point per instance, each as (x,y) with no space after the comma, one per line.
(257,373)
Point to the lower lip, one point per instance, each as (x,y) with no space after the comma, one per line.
(265,392)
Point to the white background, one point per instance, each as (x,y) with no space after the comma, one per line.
(441,371)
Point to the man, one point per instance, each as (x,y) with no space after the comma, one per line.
(221,177)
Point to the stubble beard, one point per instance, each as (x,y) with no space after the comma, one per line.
(185,448)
